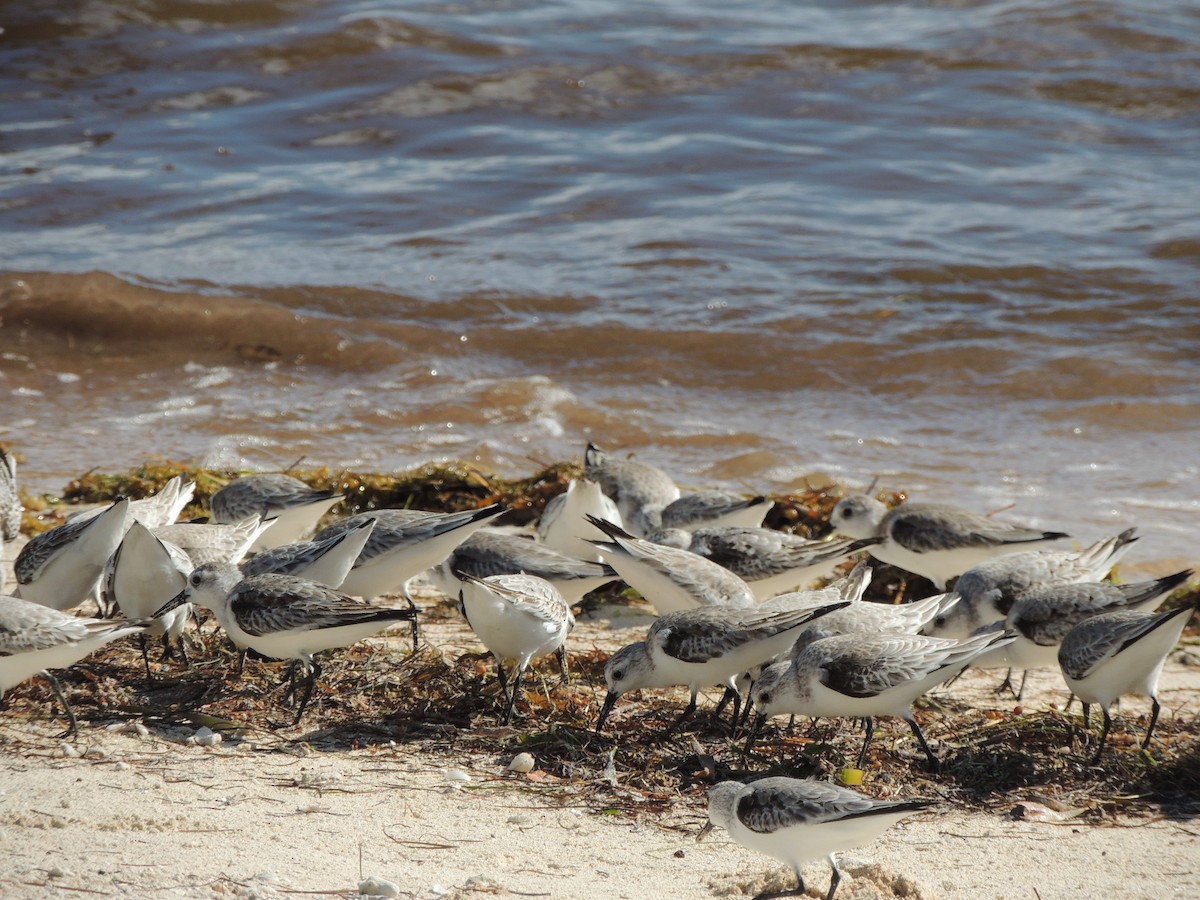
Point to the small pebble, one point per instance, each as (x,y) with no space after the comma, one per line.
(457,776)
(522,763)
(518,820)
(374,886)
(70,751)
(122,767)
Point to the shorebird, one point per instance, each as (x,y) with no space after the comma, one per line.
(517,617)
(863,676)
(206,542)
(715,509)
(326,561)
(10,498)
(668,578)
(796,821)
(934,540)
(404,544)
(564,527)
(493,553)
(989,589)
(143,574)
(283,617)
(769,561)
(640,491)
(60,568)
(155,511)
(36,638)
(1113,654)
(700,648)
(292,507)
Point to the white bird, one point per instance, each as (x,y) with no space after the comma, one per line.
(989,589)
(493,553)
(404,544)
(60,568)
(292,507)
(668,578)
(517,617)
(326,561)
(35,638)
(700,648)
(862,676)
(10,498)
(715,509)
(207,542)
(143,574)
(282,617)
(1041,618)
(640,491)
(564,527)
(768,560)
(1113,654)
(796,821)
(154,511)
(934,540)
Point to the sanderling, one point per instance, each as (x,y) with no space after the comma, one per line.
(640,491)
(935,540)
(35,638)
(989,589)
(700,648)
(10,497)
(293,507)
(564,527)
(863,676)
(155,511)
(404,544)
(1041,618)
(715,509)
(1118,653)
(517,617)
(876,618)
(770,561)
(282,617)
(326,561)
(206,542)
(668,578)
(143,574)
(60,568)
(797,821)
(489,553)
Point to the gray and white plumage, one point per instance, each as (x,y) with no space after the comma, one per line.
(563,526)
(327,561)
(876,618)
(404,543)
(155,511)
(1042,618)
(60,568)
(36,638)
(293,507)
(517,617)
(709,509)
(768,560)
(797,821)
(640,491)
(1113,654)
(935,540)
(703,647)
(989,589)
(143,574)
(668,578)
(489,553)
(283,617)
(10,498)
(206,542)
(866,675)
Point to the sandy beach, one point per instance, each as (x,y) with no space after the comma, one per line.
(134,807)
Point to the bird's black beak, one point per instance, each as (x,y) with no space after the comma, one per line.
(610,701)
(752,738)
(174,603)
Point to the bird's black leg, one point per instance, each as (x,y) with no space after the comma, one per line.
(1021,689)
(561,653)
(1006,684)
(870,728)
(416,625)
(512,701)
(797,891)
(1154,710)
(73,727)
(314,673)
(934,765)
(1103,735)
(835,880)
(145,655)
(687,714)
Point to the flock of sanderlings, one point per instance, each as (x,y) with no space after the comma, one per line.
(733,602)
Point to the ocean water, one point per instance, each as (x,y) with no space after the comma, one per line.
(954,245)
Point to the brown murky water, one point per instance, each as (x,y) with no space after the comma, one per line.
(952,244)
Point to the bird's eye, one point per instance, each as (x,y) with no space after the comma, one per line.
(847,513)
(939,621)
(194,581)
(618,674)
(764,697)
